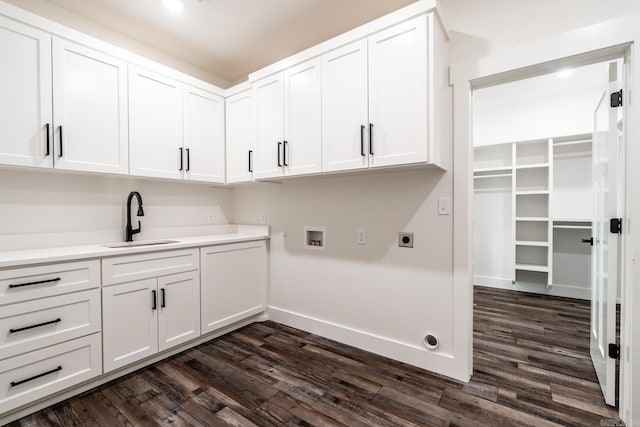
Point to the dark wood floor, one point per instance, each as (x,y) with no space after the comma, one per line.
(532,368)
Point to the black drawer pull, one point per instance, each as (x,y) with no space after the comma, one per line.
(51,322)
(181,158)
(48,128)
(362,140)
(250,162)
(188,160)
(284,153)
(35,377)
(371,138)
(154,300)
(18,285)
(61,143)
(279,162)
(163,303)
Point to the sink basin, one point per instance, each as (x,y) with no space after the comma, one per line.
(140,243)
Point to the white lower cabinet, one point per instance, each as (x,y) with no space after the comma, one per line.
(178,315)
(234,283)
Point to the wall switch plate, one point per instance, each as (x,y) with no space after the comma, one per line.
(262,218)
(405,240)
(361,237)
(444,206)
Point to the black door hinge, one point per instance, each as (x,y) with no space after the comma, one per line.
(615,225)
(614,351)
(616,99)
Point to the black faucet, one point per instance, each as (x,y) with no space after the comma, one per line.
(130,231)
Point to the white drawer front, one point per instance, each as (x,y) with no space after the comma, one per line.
(35,375)
(137,267)
(41,323)
(27,283)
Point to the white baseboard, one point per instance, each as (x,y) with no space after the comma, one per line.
(566,291)
(434,361)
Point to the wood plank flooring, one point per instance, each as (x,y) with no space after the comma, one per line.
(531,364)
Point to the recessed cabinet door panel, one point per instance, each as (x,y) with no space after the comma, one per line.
(203,136)
(344,108)
(155,125)
(398,94)
(179,306)
(240,137)
(302,122)
(25,103)
(129,323)
(269,99)
(234,283)
(90,95)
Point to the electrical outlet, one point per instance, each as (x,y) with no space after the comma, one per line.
(210,218)
(405,240)
(262,218)
(444,206)
(361,237)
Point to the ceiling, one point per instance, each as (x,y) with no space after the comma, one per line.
(231,38)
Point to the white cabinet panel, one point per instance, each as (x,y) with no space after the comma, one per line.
(269,104)
(129,323)
(302,150)
(240,127)
(90,102)
(344,108)
(398,78)
(179,301)
(26,103)
(127,268)
(203,136)
(234,283)
(155,125)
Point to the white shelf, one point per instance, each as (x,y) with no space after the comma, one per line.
(497,175)
(573,227)
(532,218)
(496,169)
(578,142)
(531,243)
(532,192)
(572,220)
(532,267)
(533,166)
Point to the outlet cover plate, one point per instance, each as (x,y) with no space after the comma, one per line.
(405,239)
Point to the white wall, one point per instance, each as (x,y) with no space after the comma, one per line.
(48,209)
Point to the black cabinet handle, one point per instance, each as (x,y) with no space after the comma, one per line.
(371,138)
(188,160)
(181,166)
(35,377)
(163,304)
(279,162)
(154,300)
(590,241)
(362,140)
(284,153)
(48,130)
(51,322)
(39,282)
(61,144)
(250,160)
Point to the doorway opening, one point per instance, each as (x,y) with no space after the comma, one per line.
(547,167)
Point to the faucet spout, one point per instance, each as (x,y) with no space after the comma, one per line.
(129,230)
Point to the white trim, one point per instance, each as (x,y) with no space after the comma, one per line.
(590,44)
(239,88)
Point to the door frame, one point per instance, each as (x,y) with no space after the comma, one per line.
(597,43)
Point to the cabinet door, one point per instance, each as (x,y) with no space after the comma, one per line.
(155,125)
(129,323)
(203,136)
(179,305)
(344,108)
(398,94)
(269,104)
(25,103)
(302,151)
(234,283)
(90,103)
(240,137)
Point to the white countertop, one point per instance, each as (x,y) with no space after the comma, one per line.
(240,233)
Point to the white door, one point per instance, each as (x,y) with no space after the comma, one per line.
(25,103)
(155,125)
(605,249)
(240,137)
(269,104)
(129,322)
(344,108)
(203,136)
(302,149)
(398,94)
(234,283)
(179,308)
(90,104)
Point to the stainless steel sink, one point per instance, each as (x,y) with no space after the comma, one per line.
(140,243)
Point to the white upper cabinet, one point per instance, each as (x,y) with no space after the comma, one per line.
(155,125)
(344,108)
(398,77)
(203,136)
(90,103)
(25,103)
(302,152)
(240,137)
(268,94)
